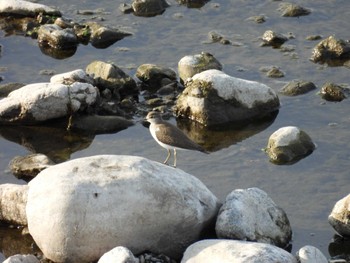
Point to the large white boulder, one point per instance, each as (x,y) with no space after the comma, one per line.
(250,214)
(80,209)
(229,251)
(339,217)
(26,8)
(39,102)
(118,255)
(213,97)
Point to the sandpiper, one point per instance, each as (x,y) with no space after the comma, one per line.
(169,136)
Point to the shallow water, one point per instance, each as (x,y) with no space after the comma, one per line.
(306,190)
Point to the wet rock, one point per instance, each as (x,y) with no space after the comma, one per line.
(288,145)
(297,87)
(271,38)
(22,259)
(56,37)
(126,8)
(310,254)
(213,97)
(57,53)
(118,255)
(26,8)
(190,65)
(153,75)
(13,201)
(251,215)
(27,167)
(91,205)
(275,72)
(103,37)
(109,76)
(40,102)
(332,92)
(96,124)
(193,3)
(292,10)
(225,251)
(70,77)
(149,8)
(6,89)
(215,37)
(339,217)
(257,19)
(313,37)
(332,51)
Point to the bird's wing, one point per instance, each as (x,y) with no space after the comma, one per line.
(174,136)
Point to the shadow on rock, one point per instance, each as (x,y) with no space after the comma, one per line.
(339,248)
(217,137)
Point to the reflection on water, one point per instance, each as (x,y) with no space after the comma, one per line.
(55,142)
(223,136)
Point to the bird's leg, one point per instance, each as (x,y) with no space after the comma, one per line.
(174,157)
(167,158)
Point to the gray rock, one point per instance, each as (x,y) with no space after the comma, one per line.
(275,72)
(310,254)
(67,78)
(55,37)
(339,217)
(297,87)
(40,102)
(153,75)
(27,167)
(188,66)
(107,75)
(213,97)
(332,92)
(149,8)
(251,215)
(228,251)
(332,51)
(103,37)
(118,255)
(13,201)
(274,39)
(22,259)
(288,145)
(26,8)
(293,10)
(91,205)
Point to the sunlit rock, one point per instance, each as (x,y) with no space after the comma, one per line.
(213,97)
(54,36)
(292,10)
(288,145)
(274,39)
(149,7)
(250,214)
(22,259)
(13,201)
(118,255)
(91,205)
(310,254)
(332,51)
(26,8)
(77,75)
(153,75)
(190,65)
(109,76)
(333,92)
(40,102)
(339,217)
(103,37)
(297,87)
(228,251)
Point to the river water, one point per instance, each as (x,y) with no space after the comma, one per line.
(306,190)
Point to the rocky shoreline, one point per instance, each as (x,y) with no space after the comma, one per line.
(98,219)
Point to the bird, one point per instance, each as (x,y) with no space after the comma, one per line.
(169,136)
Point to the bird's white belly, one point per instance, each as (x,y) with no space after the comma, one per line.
(153,131)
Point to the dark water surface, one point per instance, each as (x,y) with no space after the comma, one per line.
(306,190)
